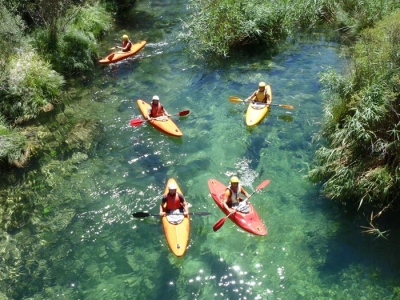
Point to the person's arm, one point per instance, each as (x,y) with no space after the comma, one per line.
(126,48)
(162,206)
(148,117)
(246,194)
(268,98)
(184,204)
(165,112)
(250,97)
(226,197)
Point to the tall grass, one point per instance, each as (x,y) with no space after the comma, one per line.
(217,27)
(78,30)
(12,144)
(32,86)
(359,161)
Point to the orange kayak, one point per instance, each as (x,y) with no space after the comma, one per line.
(257,110)
(119,55)
(165,125)
(177,235)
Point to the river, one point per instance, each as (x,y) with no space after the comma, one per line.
(85,243)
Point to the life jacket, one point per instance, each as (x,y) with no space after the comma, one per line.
(129,43)
(234,197)
(174,202)
(156,111)
(261,96)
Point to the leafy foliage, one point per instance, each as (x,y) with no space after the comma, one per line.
(12,143)
(74,47)
(219,26)
(360,160)
(31,87)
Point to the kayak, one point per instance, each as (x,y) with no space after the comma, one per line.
(177,235)
(165,125)
(120,55)
(249,222)
(257,111)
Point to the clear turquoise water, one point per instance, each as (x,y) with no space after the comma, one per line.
(87,245)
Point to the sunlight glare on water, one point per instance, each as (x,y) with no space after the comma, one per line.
(102,252)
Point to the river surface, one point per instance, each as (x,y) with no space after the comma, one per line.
(86,245)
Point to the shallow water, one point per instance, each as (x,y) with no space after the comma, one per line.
(86,245)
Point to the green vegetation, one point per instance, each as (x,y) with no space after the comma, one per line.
(12,144)
(61,40)
(359,163)
(73,49)
(219,27)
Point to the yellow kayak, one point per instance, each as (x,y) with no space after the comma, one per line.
(257,110)
(177,235)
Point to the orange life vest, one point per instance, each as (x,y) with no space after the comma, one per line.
(156,111)
(129,43)
(173,202)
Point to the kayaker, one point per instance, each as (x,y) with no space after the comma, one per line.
(232,198)
(156,109)
(126,44)
(173,202)
(260,95)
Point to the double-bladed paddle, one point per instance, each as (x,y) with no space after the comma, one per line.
(138,122)
(221,221)
(237,100)
(142,214)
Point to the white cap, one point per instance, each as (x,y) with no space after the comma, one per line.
(172,186)
(155,97)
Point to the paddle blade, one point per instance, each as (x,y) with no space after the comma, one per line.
(136,122)
(263,184)
(286,106)
(235,99)
(219,224)
(183,113)
(140,214)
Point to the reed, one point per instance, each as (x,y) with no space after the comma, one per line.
(358,162)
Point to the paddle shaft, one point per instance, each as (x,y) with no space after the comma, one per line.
(138,122)
(145,215)
(237,100)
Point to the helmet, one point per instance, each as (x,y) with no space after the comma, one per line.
(262,84)
(125,37)
(234,179)
(155,97)
(172,186)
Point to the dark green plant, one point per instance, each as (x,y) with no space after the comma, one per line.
(12,144)
(76,43)
(31,87)
(359,160)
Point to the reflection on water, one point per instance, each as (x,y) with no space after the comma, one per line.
(81,242)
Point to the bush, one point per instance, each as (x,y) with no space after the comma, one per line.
(32,86)
(359,163)
(76,42)
(12,144)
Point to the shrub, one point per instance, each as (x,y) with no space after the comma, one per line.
(12,144)
(32,86)
(359,161)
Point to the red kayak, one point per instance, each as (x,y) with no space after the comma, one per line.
(250,222)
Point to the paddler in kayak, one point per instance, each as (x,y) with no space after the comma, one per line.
(232,198)
(126,44)
(173,203)
(156,110)
(260,95)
